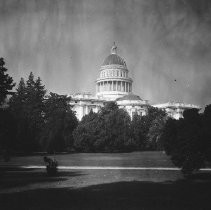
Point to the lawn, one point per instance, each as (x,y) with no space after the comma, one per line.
(134,159)
(102,189)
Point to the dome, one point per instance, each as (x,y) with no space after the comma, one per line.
(130,97)
(113,58)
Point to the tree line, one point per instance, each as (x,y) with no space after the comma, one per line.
(112,130)
(36,121)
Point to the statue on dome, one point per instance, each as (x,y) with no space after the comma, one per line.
(114,49)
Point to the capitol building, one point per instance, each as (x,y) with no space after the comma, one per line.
(114,84)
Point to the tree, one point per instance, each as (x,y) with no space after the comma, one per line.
(87,134)
(206,132)
(169,136)
(60,121)
(27,105)
(7,130)
(106,131)
(137,132)
(117,130)
(7,123)
(184,143)
(151,126)
(6,82)
(155,132)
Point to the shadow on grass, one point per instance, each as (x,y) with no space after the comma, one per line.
(183,195)
(20,177)
(201,176)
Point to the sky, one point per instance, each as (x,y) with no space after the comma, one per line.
(165,43)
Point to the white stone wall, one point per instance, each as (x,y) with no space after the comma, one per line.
(133,107)
(84,103)
(174,109)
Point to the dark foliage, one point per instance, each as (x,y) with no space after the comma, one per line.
(6,82)
(151,127)
(8,129)
(137,132)
(27,105)
(106,131)
(187,140)
(206,132)
(60,121)
(43,123)
(111,130)
(7,121)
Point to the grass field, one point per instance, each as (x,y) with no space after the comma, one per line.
(23,188)
(136,159)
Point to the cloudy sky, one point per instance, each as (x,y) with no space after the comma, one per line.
(165,43)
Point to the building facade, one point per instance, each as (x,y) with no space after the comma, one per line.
(113,84)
